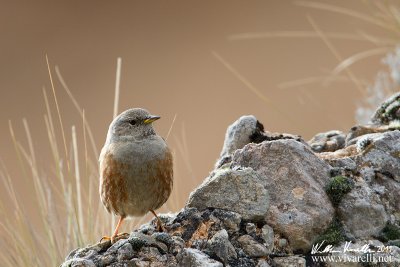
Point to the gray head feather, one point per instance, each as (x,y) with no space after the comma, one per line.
(130,124)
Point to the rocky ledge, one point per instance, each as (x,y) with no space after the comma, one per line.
(272,198)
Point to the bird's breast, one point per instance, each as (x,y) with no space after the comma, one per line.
(136,177)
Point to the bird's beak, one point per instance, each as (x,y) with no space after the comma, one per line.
(151,119)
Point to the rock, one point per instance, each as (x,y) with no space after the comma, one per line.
(238,135)
(230,220)
(282,242)
(388,111)
(125,252)
(195,258)
(138,240)
(268,200)
(163,238)
(327,142)
(241,191)
(251,247)
(78,263)
(360,130)
(178,245)
(388,190)
(105,259)
(267,234)
(251,228)
(358,205)
(292,261)
(245,130)
(263,263)
(140,263)
(220,246)
(295,178)
(380,152)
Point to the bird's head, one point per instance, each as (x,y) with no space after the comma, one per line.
(135,122)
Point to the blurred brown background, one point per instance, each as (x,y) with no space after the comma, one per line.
(168,67)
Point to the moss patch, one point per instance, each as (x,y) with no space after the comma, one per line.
(390,232)
(337,188)
(334,235)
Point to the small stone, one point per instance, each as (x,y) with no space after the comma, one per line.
(292,261)
(195,258)
(139,263)
(154,252)
(105,259)
(117,245)
(125,252)
(263,263)
(238,135)
(71,254)
(178,245)
(328,142)
(136,242)
(251,247)
(147,229)
(282,242)
(267,234)
(251,228)
(164,238)
(230,220)
(78,263)
(388,110)
(121,264)
(161,247)
(145,239)
(139,240)
(220,246)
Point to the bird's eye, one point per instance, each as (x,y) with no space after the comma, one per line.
(132,122)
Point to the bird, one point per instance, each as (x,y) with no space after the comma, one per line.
(136,168)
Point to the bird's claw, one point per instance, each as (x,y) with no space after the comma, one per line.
(115,238)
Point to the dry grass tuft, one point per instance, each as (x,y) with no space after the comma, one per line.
(64,211)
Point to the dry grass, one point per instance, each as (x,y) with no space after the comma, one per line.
(65,204)
(382,14)
(63,211)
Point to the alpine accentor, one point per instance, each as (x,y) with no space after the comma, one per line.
(136,169)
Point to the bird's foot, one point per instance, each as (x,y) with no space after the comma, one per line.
(160,227)
(115,238)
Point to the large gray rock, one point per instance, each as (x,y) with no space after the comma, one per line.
(380,153)
(190,257)
(362,212)
(242,191)
(295,178)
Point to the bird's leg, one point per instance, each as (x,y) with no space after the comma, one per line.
(115,237)
(160,226)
